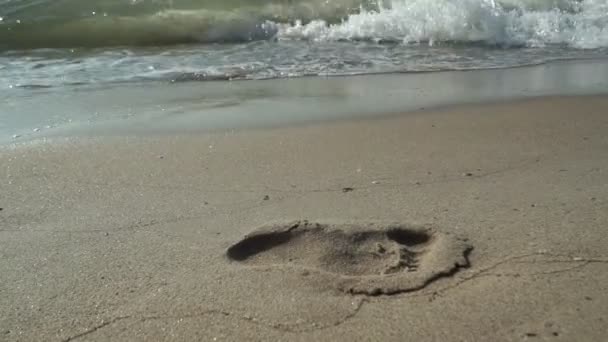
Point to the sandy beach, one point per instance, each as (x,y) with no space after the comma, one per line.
(469,223)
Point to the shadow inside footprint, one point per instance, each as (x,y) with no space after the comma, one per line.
(408,237)
(256,244)
(361,258)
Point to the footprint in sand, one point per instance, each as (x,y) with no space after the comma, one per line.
(370,259)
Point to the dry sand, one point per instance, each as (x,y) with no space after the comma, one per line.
(159,238)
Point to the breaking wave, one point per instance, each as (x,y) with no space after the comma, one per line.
(579,24)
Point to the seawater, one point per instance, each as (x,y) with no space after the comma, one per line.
(57,43)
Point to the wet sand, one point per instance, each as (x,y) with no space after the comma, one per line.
(496,214)
(194,107)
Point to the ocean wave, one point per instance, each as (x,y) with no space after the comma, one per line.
(69,23)
(579,24)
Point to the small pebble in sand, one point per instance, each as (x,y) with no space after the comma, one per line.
(375,182)
(266,197)
(161,157)
(577,259)
(347,189)
(467,174)
(16,136)
(36,129)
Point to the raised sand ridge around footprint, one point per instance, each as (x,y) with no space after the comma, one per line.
(369,258)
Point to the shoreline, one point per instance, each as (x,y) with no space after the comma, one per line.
(219,106)
(126,237)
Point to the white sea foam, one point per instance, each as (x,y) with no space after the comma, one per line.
(580,24)
(463,35)
(577,24)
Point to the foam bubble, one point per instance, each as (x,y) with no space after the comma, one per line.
(577,24)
